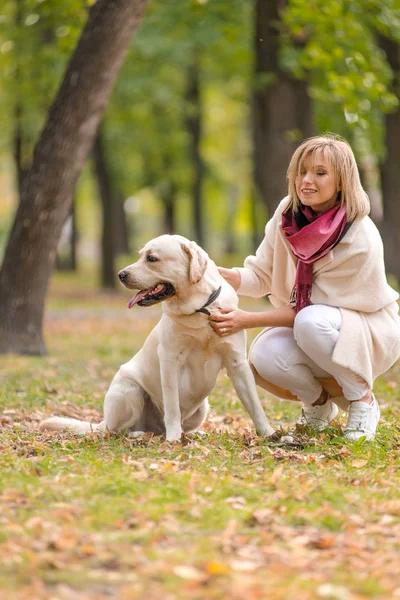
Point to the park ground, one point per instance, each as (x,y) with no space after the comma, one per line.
(220,515)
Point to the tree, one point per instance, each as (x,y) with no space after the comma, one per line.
(194,128)
(352,50)
(104,185)
(67,254)
(114,238)
(59,156)
(350,77)
(282,111)
(171,66)
(38,42)
(390,173)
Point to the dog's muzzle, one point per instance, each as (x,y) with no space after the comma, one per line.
(123,276)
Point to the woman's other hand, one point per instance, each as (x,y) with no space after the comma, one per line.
(231,276)
(229,320)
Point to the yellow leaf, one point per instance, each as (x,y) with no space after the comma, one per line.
(216,568)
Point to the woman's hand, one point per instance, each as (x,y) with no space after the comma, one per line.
(229,320)
(231,276)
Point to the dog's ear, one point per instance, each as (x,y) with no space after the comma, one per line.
(198,259)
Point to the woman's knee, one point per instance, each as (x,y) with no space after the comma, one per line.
(316,322)
(304,323)
(258,359)
(269,354)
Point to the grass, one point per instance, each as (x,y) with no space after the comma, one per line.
(221,515)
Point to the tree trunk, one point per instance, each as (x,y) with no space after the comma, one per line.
(390,172)
(281,109)
(108,214)
(18,133)
(256,231)
(59,156)
(233,196)
(121,229)
(68,262)
(114,238)
(18,146)
(169,216)
(168,193)
(167,188)
(194,125)
(304,109)
(370,180)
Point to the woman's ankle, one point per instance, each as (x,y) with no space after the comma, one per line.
(367,398)
(323,399)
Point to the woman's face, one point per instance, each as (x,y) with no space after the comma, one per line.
(316,184)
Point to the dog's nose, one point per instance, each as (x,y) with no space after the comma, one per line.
(123,275)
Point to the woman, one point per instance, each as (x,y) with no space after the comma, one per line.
(321,263)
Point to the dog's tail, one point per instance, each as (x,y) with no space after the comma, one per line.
(74,425)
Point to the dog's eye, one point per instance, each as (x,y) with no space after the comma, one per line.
(151,258)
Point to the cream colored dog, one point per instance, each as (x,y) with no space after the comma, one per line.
(164,387)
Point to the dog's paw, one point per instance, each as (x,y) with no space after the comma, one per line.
(174,435)
(272,437)
(136,434)
(174,440)
(269,433)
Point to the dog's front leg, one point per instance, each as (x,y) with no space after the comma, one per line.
(243,381)
(242,378)
(170,392)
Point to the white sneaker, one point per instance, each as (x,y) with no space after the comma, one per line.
(318,417)
(363,420)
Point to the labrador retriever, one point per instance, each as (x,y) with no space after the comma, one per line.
(164,387)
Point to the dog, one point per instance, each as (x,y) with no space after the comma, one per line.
(164,387)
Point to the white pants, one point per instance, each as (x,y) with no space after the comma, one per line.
(292,358)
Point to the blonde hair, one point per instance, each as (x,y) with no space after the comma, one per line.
(341,158)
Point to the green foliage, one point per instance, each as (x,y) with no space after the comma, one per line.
(336,44)
(37,39)
(150,99)
(145,125)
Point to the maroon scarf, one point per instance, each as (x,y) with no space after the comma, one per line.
(311,236)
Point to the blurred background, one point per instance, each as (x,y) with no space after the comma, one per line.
(210,102)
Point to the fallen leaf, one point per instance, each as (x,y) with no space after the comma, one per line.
(216,568)
(359,463)
(262,516)
(391,507)
(324,542)
(245,566)
(333,592)
(140,475)
(277,474)
(236,501)
(190,573)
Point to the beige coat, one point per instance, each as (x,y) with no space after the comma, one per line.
(351,276)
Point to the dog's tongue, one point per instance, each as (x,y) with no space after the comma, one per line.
(137,298)
(140,295)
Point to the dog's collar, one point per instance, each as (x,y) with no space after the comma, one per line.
(212,297)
